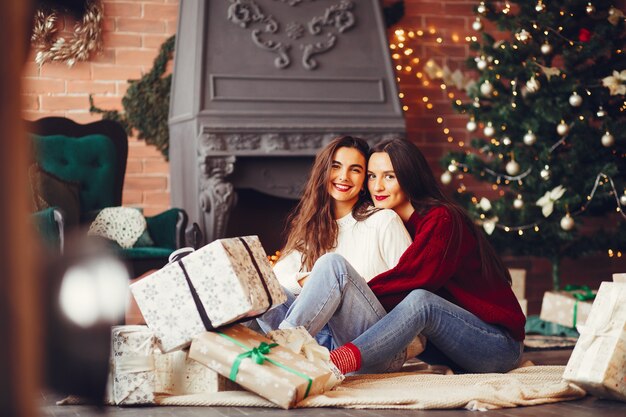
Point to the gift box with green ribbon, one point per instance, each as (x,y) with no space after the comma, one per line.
(598,361)
(260,365)
(223,282)
(569,307)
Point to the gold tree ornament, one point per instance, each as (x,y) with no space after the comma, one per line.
(86,37)
(615,15)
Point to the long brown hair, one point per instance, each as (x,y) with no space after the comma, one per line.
(418,182)
(312,229)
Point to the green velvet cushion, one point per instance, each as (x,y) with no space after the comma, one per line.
(144,240)
(88,160)
(48,190)
(162,228)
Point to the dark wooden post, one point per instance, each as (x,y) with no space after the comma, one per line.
(19,306)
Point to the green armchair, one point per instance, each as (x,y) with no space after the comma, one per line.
(80,170)
(49,223)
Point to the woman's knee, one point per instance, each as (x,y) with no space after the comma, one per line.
(330,262)
(420,299)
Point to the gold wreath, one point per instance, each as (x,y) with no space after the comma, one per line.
(86,38)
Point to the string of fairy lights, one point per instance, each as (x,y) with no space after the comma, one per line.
(409,64)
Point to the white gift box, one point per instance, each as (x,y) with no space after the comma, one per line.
(518,282)
(132,377)
(619,277)
(598,361)
(139,371)
(524,305)
(224,281)
(177,374)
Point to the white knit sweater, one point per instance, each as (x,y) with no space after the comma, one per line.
(371,246)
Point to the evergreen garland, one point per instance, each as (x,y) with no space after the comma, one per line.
(146,103)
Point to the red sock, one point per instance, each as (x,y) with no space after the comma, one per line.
(347,358)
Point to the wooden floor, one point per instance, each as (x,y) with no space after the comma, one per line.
(588,406)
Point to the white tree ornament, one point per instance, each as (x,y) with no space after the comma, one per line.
(549,198)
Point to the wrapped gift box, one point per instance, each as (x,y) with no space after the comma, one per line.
(524,305)
(132,377)
(598,361)
(133,314)
(563,308)
(285,378)
(139,370)
(177,374)
(518,283)
(619,278)
(229,279)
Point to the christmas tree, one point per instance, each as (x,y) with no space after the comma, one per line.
(546,117)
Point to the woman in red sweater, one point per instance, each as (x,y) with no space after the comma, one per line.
(449,286)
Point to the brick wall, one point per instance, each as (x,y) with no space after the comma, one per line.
(133,32)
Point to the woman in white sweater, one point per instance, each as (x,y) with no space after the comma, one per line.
(335,215)
(366,243)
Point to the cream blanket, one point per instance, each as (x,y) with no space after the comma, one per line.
(407,390)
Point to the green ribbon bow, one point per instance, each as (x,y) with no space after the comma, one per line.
(580,293)
(257,354)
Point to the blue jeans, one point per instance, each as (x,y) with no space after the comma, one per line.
(272,319)
(455,337)
(337,306)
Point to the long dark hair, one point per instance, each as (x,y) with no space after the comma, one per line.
(418,183)
(312,229)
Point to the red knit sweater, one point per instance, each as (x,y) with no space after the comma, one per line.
(454,274)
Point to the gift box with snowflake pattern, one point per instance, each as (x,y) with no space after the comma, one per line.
(224,281)
(598,361)
(259,365)
(139,371)
(177,374)
(131,367)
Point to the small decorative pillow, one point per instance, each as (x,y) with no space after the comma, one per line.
(124,225)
